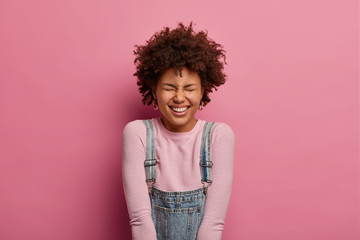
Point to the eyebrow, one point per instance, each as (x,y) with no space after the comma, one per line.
(187,85)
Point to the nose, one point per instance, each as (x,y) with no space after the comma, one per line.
(179,96)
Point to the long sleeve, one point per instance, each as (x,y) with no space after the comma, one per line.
(135,188)
(216,205)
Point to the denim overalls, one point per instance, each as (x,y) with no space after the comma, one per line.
(177,215)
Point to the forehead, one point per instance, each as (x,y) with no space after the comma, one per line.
(188,76)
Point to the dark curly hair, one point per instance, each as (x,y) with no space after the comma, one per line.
(178,48)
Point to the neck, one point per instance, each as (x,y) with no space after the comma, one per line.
(179,128)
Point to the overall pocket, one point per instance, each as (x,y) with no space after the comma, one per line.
(177,223)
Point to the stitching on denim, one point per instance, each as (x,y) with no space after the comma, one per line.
(189,218)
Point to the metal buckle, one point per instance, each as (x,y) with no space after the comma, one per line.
(150,185)
(150,189)
(205,189)
(208,164)
(149,162)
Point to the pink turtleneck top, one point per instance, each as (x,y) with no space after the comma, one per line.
(178,156)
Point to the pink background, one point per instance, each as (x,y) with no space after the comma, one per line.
(67,91)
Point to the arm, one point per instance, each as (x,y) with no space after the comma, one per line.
(135,188)
(216,205)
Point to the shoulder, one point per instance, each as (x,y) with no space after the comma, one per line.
(135,127)
(133,140)
(222,132)
(221,128)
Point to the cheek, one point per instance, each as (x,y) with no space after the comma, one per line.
(164,98)
(195,98)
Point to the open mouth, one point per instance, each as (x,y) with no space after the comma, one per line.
(179,110)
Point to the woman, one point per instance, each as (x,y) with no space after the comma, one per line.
(177,170)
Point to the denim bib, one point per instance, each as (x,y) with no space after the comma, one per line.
(177,215)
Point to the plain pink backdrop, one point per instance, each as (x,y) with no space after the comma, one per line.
(67,91)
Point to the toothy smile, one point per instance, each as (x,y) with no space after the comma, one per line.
(179,109)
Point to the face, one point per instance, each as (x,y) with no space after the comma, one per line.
(178,99)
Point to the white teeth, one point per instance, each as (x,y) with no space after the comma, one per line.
(180,109)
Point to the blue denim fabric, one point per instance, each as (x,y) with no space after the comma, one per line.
(177,215)
(205,162)
(150,160)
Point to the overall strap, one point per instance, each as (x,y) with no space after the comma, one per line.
(205,161)
(150,157)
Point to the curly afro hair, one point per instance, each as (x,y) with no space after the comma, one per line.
(178,48)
